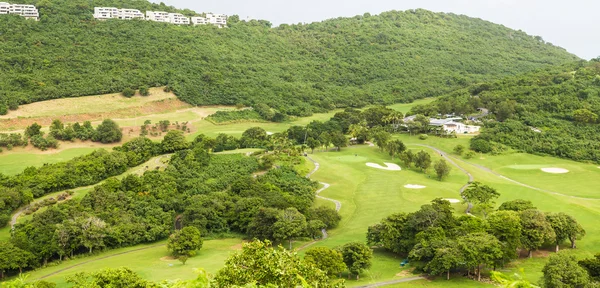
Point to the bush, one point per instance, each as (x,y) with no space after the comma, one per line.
(3,109)
(128,92)
(480,145)
(144,91)
(469,155)
(108,132)
(423,137)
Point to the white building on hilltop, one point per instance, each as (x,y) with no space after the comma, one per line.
(4,8)
(104,13)
(199,21)
(129,14)
(27,11)
(179,19)
(158,16)
(219,20)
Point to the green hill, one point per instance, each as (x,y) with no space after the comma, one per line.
(552,111)
(296,69)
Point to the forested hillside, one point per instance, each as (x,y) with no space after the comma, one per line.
(296,69)
(553,111)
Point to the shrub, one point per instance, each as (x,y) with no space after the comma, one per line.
(128,92)
(469,155)
(423,137)
(144,91)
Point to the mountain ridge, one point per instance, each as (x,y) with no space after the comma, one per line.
(295,69)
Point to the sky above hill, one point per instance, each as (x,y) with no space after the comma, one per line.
(569,24)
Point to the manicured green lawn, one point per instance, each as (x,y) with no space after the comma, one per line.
(11,164)
(149,263)
(404,108)
(369,194)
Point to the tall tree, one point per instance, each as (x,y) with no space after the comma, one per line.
(562,270)
(185,242)
(479,249)
(506,226)
(565,227)
(258,262)
(422,160)
(290,224)
(357,257)
(536,230)
(328,260)
(442,169)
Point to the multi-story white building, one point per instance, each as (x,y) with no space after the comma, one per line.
(158,16)
(129,14)
(27,11)
(199,21)
(179,19)
(4,8)
(219,20)
(103,13)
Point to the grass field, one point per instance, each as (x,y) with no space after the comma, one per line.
(368,195)
(148,260)
(405,107)
(85,105)
(11,164)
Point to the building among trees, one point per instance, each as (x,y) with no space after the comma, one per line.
(27,11)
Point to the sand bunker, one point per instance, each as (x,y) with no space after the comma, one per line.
(270,133)
(413,186)
(452,200)
(390,166)
(555,170)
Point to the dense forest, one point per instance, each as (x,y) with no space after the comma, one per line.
(216,194)
(294,69)
(553,111)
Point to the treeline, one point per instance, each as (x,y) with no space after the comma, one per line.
(292,69)
(107,132)
(553,111)
(438,243)
(217,194)
(81,171)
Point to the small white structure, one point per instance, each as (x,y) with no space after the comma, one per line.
(103,13)
(460,128)
(219,20)
(25,10)
(4,8)
(130,14)
(199,21)
(179,19)
(158,16)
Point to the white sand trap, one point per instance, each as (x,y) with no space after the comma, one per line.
(413,186)
(390,166)
(452,200)
(270,133)
(555,170)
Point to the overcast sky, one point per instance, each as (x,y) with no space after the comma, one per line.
(571,24)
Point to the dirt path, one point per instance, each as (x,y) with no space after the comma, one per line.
(338,204)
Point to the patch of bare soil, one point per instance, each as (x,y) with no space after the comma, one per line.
(168,258)
(157,107)
(406,273)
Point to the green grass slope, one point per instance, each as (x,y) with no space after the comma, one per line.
(296,69)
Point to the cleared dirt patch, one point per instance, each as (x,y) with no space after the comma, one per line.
(168,258)
(148,108)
